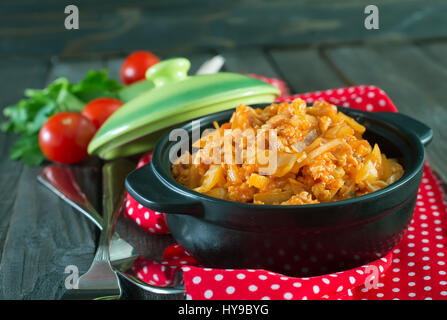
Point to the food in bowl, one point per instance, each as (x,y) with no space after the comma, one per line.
(304,240)
(319,156)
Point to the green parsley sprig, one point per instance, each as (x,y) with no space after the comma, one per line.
(28,115)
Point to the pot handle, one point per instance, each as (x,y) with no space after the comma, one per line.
(144,185)
(424,133)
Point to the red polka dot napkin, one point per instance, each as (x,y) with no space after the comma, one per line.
(151,221)
(415,269)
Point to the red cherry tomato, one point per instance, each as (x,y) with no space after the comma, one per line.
(98,110)
(135,66)
(65,136)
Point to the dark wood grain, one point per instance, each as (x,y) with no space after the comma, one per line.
(40,234)
(191,26)
(416,66)
(249,61)
(19,73)
(73,70)
(436,50)
(398,76)
(306,70)
(44,236)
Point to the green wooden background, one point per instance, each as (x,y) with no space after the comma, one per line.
(31,27)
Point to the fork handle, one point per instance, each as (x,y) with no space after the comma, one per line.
(114,174)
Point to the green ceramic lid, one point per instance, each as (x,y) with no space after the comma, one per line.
(175,98)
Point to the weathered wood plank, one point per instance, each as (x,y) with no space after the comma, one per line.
(305,70)
(185,27)
(366,65)
(416,66)
(437,51)
(41,234)
(430,77)
(44,236)
(249,61)
(19,73)
(73,70)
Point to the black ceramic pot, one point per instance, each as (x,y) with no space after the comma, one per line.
(302,240)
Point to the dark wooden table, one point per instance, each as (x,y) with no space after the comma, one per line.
(40,235)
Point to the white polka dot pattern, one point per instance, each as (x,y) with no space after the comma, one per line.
(247,285)
(150,221)
(418,270)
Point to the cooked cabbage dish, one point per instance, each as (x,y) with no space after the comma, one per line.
(286,154)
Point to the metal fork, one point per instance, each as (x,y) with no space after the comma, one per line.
(100,281)
(61,181)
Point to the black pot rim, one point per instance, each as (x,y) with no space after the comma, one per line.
(171,183)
